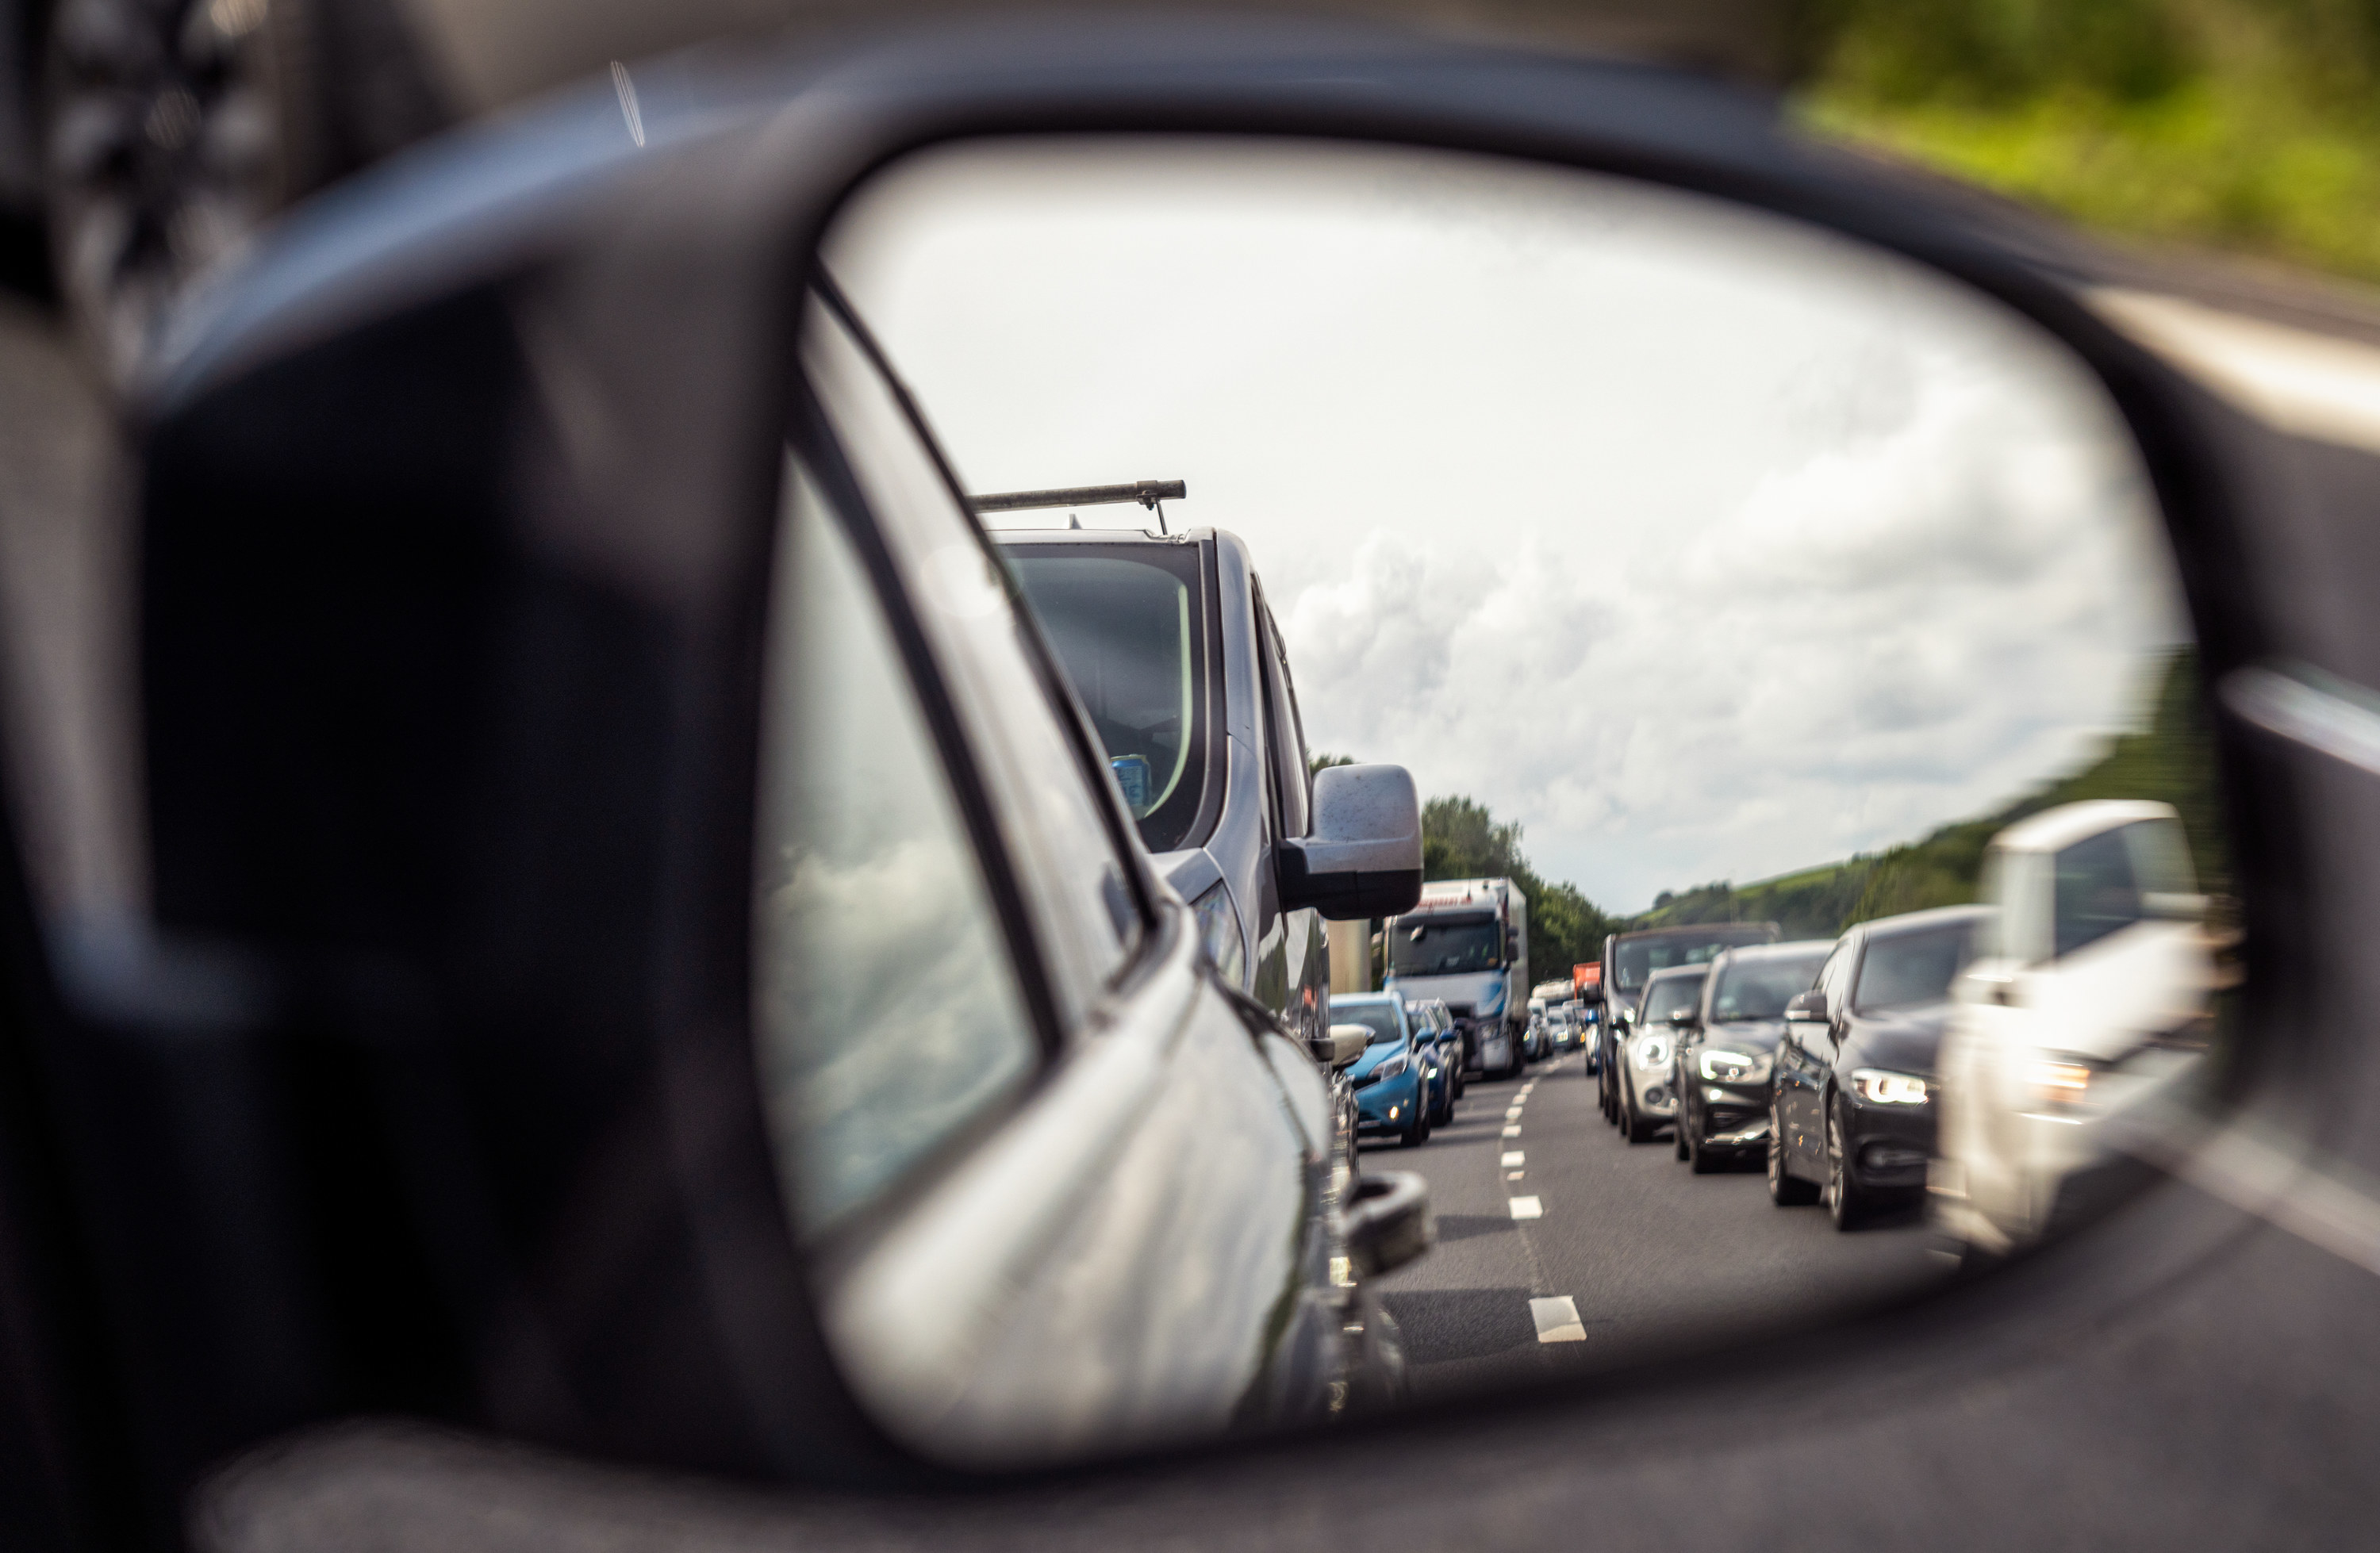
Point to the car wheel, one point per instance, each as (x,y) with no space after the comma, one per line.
(1678,1132)
(1785,1188)
(1637,1129)
(170,136)
(1845,1203)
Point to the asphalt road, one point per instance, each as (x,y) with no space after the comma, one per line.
(1630,1254)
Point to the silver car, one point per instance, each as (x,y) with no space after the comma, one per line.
(1647,1101)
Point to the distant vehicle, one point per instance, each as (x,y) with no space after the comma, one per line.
(1647,1101)
(1390,1077)
(1852,1107)
(2088,1002)
(1466,943)
(1725,1058)
(1431,1015)
(1175,658)
(1629,958)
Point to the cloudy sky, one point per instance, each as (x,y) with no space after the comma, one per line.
(1705,545)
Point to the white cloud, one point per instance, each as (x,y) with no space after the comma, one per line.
(1705,545)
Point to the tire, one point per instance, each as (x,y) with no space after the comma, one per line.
(1635,1128)
(1785,1188)
(1846,1204)
(1416,1133)
(1678,1131)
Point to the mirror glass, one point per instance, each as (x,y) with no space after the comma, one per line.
(1758,615)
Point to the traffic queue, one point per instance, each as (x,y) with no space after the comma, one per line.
(1997,1062)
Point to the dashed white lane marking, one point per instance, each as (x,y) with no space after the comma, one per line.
(1513,1115)
(1511,1131)
(1514,1175)
(1557,1320)
(1526,1207)
(1511,1158)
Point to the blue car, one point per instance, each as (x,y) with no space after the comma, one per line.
(1396,1078)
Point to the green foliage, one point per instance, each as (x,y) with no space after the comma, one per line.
(2253,127)
(1460,838)
(1324,761)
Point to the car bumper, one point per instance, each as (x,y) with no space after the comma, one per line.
(1888,1145)
(1730,1116)
(1652,1093)
(1375,1103)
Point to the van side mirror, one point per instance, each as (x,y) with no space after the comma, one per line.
(1341,1045)
(1364,857)
(1807,1008)
(1389,1223)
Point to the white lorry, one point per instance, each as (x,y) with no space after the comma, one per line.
(1466,943)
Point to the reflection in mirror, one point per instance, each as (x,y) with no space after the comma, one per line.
(1784,642)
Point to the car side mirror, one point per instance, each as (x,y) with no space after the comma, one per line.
(1807,1008)
(1341,1046)
(1363,857)
(1389,1221)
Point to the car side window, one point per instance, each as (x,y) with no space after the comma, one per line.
(1038,765)
(1833,977)
(1284,734)
(2096,891)
(888,1011)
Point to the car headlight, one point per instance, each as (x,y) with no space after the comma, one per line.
(1879,1088)
(1391,1068)
(2061,1085)
(1652,1052)
(1721,1065)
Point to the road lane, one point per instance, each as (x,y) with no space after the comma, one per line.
(1562,1248)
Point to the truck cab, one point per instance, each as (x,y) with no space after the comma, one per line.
(1466,943)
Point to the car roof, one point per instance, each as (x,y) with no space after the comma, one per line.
(1917,921)
(1792,949)
(1338,998)
(1684,927)
(2054,829)
(1672,973)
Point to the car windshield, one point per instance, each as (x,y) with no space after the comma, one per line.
(1760,988)
(1442,945)
(1129,629)
(1675,994)
(1915,967)
(1639,958)
(1380,1018)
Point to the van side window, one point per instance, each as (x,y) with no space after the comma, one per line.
(2096,891)
(1284,734)
(888,1013)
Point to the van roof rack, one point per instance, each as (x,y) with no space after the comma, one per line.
(1148,492)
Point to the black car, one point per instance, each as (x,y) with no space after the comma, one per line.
(1851,1114)
(1725,1059)
(1629,960)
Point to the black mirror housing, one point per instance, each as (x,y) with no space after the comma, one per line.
(1807,1008)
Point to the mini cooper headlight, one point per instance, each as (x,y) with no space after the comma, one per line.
(1878,1088)
(1721,1065)
(1652,1053)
